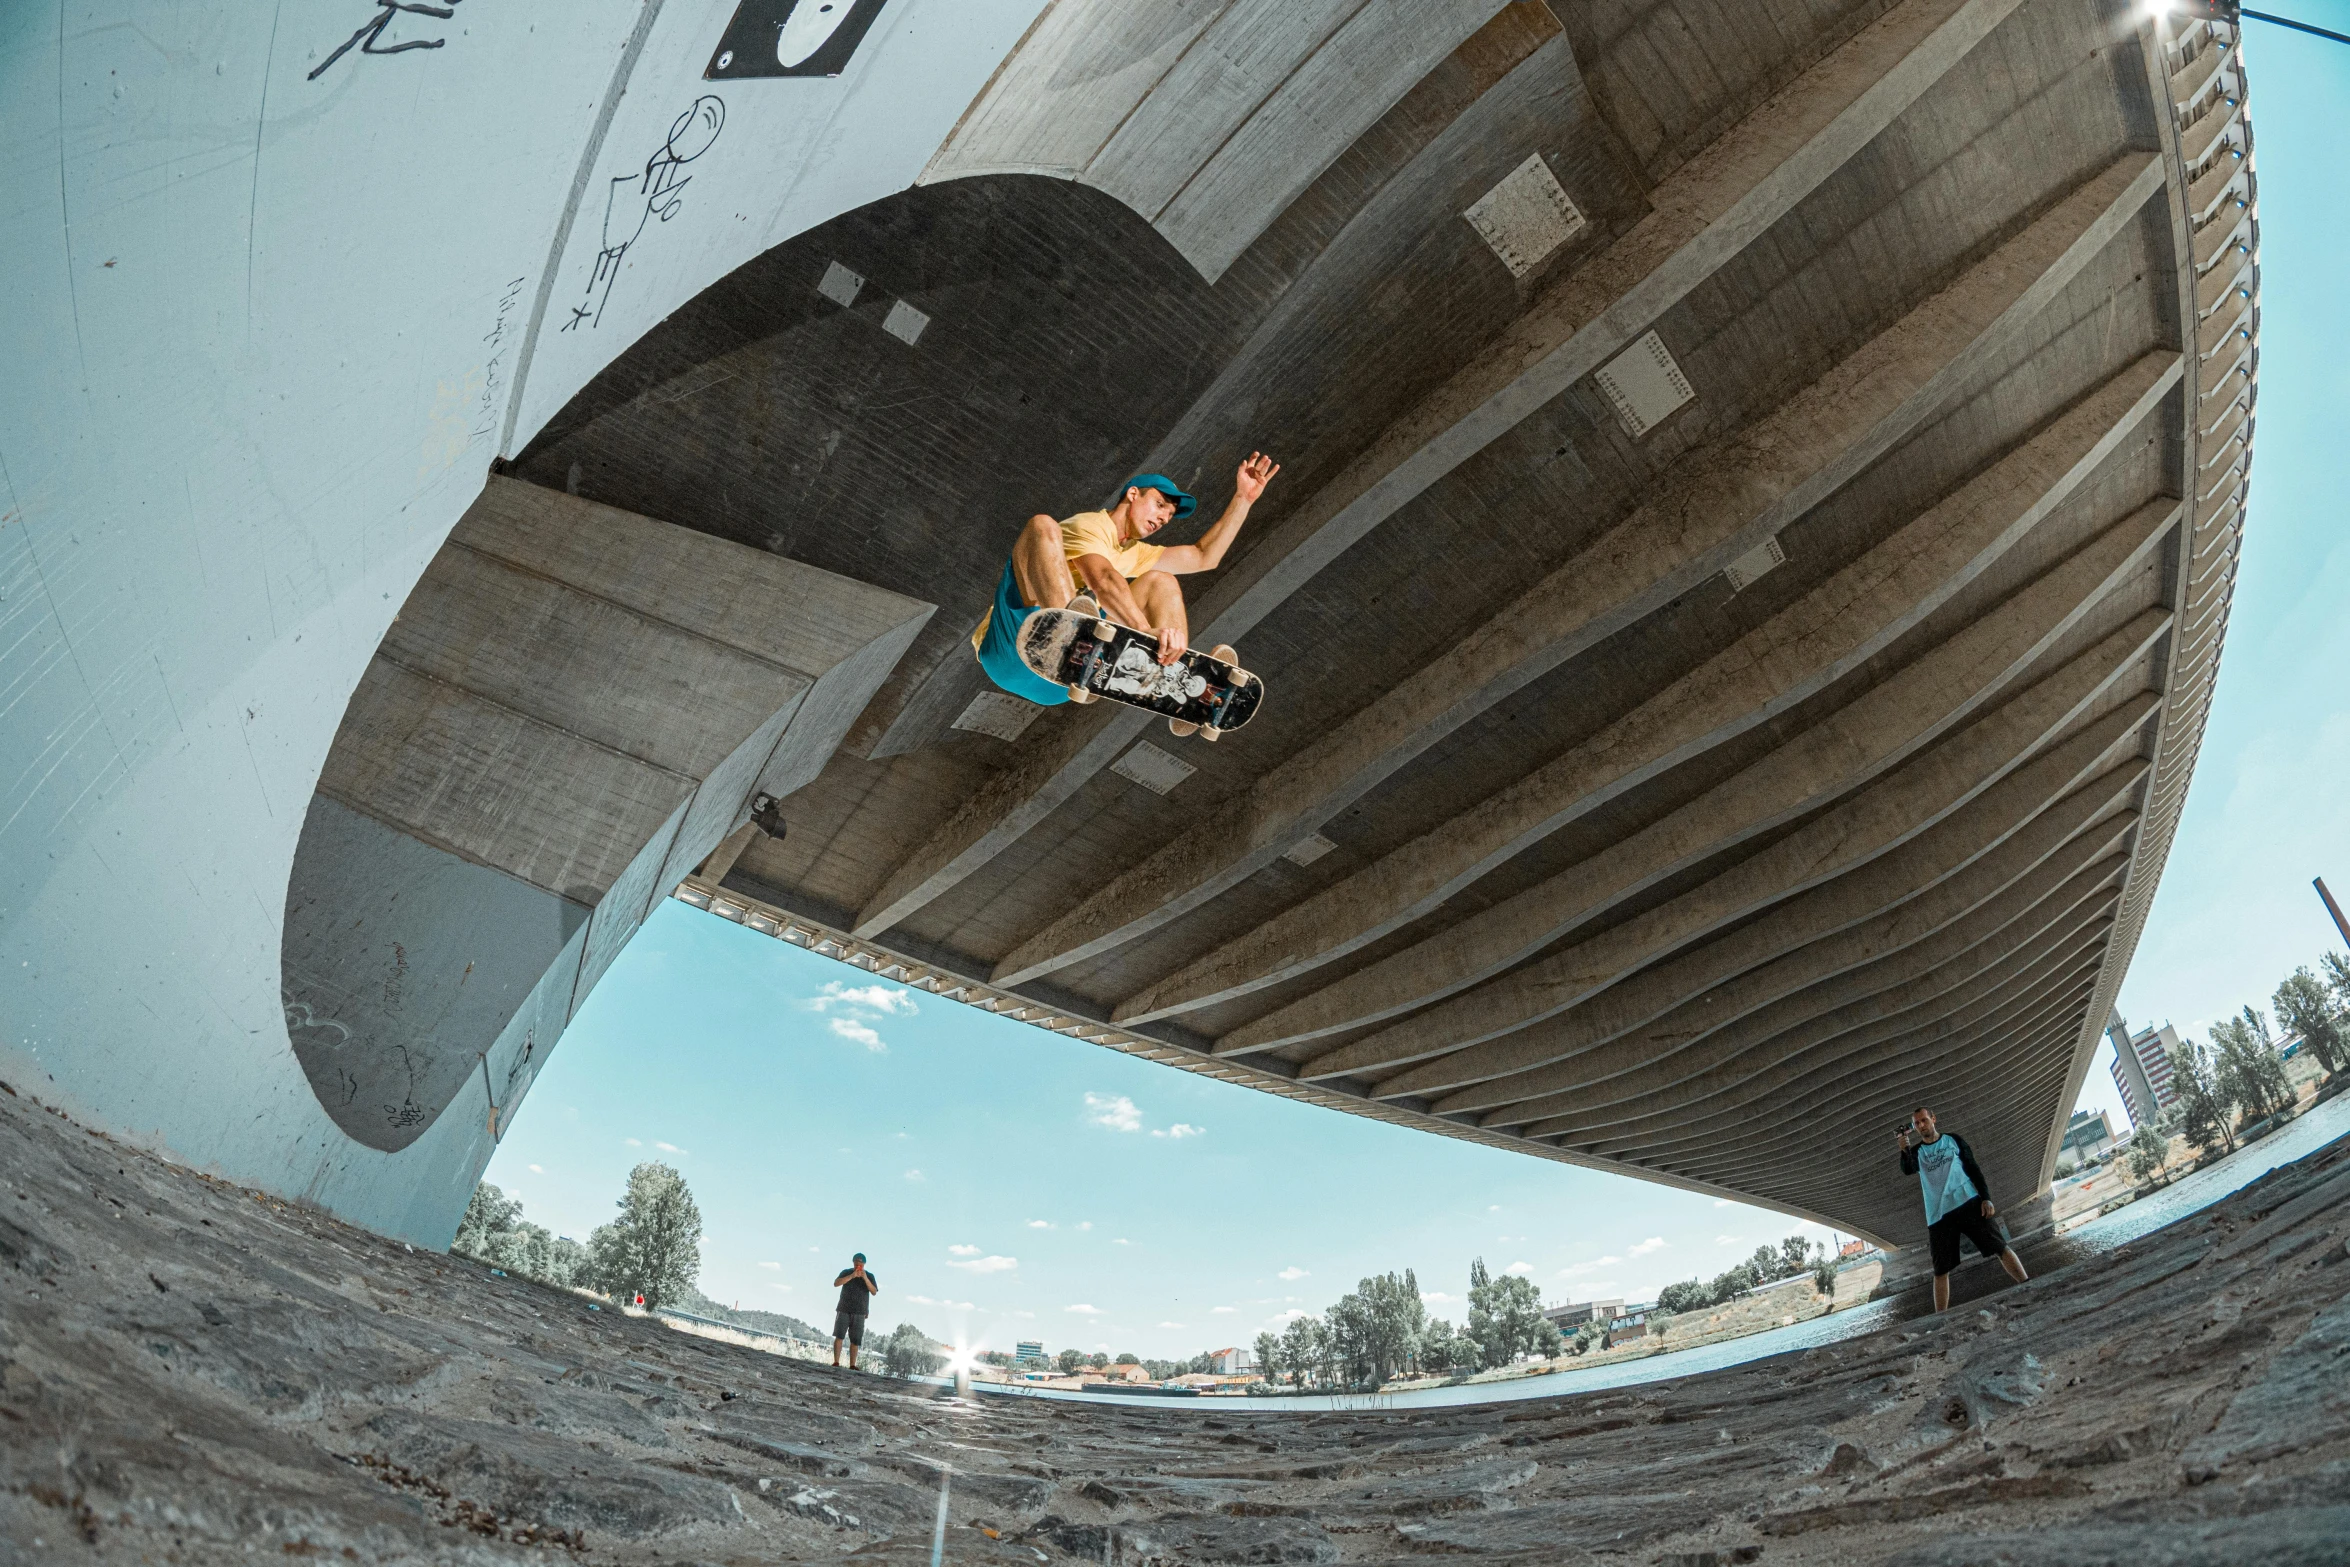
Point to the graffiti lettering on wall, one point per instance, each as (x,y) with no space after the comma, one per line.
(370,37)
(493,375)
(791,38)
(634,201)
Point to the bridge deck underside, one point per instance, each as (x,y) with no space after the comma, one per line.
(1548,834)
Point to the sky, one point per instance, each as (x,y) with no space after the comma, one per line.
(1011,1184)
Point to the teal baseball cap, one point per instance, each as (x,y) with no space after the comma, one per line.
(1184,504)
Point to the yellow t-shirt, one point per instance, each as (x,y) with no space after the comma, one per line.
(1094,533)
(1091,533)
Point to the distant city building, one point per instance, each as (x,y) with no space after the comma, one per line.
(2141,1068)
(1575,1314)
(1851,1249)
(1028,1352)
(2088,1134)
(1224,1362)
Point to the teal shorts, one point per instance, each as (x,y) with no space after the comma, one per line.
(999,649)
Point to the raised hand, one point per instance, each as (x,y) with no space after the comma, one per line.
(1254,475)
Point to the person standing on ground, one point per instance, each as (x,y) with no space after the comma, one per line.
(1101,562)
(857,1289)
(1958,1201)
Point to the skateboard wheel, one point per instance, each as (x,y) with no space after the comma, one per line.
(1210,732)
(1103,630)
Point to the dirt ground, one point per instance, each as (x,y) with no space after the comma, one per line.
(190,1373)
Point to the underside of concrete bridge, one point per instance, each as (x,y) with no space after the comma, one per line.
(1755,536)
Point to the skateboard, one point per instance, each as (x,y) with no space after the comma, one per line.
(1070,648)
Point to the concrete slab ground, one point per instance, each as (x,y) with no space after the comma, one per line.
(191,1372)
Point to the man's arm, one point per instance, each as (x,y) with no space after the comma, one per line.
(1909,1160)
(1208,553)
(1974,1171)
(1110,590)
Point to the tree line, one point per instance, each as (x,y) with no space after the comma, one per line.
(1768,1265)
(2239,1077)
(1381,1330)
(652,1248)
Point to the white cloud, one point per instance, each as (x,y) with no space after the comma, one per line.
(1115,1111)
(1292,1273)
(987,1264)
(963,1251)
(958,1305)
(537,1170)
(1083,1310)
(857,1033)
(786,1288)
(1291,1315)
(633,1143)
(916,1175)
(1519,1268)
(885,999)
(1182,1129)
(1653,1243)
(1589,1267)
(1042,1224)
(772,1267)
(1496,1208)
(1723,1202)
(1222,1310)
(669,1148)
(922,1300)
(1438,1297)
(1087,1225)
(1728,1240)
(1030,1315)
(1171,1324)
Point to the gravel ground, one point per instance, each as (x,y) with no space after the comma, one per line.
(194,1373)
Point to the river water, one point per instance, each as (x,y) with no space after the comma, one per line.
(2312,1131)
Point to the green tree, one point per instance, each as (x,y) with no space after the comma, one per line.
(655,1247)
(2149,1147)
(1269,1356)
(2203,1110)
(2249,1070)
(1441,1349)
(1688,1295)
(1301,1348)
(1794,1256)
(910,1352)
(494,1231)
(1069,1360)
(2304,1006)
(1505,1318)
(1824,1268)
(1129,1360)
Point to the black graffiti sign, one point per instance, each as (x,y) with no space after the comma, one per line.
(791,38)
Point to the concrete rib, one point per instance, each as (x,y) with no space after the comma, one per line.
(1879,731)
(1994,891)
(1823,636)
(1903,996)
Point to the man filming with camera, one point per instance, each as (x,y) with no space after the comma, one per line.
(1958,1201)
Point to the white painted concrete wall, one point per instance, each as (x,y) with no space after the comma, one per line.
(262,336)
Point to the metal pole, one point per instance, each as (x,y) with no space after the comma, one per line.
(2333,908)
(2299,27)
(938,1535)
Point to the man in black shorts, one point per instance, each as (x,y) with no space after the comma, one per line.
(1958,1201)
(857,1289)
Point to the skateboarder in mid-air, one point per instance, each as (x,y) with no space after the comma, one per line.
(1101,563)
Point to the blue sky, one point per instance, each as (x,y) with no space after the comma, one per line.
(1009,1184)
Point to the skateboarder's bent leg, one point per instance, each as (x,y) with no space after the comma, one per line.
(1040,568)
(1161,599)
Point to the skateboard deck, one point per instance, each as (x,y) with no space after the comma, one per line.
(1073,649)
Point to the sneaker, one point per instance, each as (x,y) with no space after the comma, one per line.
(1083,604)
(1182,729)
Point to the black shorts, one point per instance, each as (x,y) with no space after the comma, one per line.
(1966,1219)
(852,1328)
